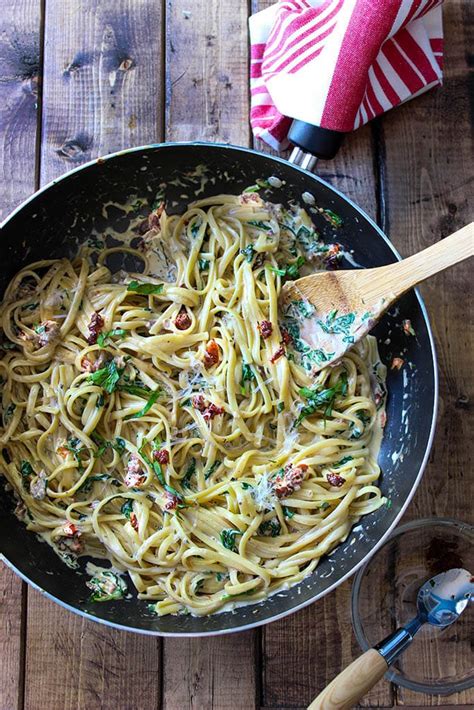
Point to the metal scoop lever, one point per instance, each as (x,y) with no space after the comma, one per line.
(440,601)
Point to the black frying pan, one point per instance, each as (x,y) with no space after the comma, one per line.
(49,225)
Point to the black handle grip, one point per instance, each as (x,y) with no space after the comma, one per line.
(320,142)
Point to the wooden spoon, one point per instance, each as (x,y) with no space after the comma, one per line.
(349,303)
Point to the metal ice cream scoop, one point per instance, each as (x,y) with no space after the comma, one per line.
(440,602)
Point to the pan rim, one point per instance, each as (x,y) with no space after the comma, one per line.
(261,622)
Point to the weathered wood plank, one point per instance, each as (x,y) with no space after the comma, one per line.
(206,98)
(103,83)
(102,92)
(304,652)
(12,629)
(72,664)
(206,71)
(428,192)
(210,673)
(19,80)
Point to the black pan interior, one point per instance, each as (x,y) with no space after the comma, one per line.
(51,224)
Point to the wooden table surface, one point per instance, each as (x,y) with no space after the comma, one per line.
(81,78)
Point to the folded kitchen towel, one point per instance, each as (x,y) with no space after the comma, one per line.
(339,63)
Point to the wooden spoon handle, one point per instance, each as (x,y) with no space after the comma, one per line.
(352,683)
(402,276)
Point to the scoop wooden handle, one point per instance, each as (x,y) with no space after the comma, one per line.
(352,683)
(403,275)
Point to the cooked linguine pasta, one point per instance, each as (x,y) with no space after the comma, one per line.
(171,421)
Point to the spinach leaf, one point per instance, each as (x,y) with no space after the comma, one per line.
(144,289)
(107,377)
(151,401)
(228,539)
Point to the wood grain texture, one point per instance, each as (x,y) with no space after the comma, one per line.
(103,80)
(206,71)
(12,600)
(207,99)
(19,80)
(428,193)
(20,31)
(102,92)
(73,664)
(210,673)
(352,683)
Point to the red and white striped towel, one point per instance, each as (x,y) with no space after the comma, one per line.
(339,63)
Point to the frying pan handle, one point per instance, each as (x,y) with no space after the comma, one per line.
(312,142)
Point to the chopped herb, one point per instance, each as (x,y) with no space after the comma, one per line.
(388,504)
(30,306)
(325,505)
(247,376)
(263,182)
(246,486)
(305,308)
(338,325)
(195,228)
(100,401)
(321,398)
(276,270)
(151,401)
(228,539)
(333,218)
(212,469)
(203,264)
(106,586)
(144,289)
(73,445)
(107,377)
(291,271)
(138,389)
(87,485)
(343,461)
(248,252)
(251,188)
(26,471)
(190,471)
(280,407)
(287,512)
(348,339)
(260,225)
(120,445)
(103,337)
(270,528)
(127,508)
(95,243)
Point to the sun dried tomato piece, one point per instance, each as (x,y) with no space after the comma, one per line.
(265,328)
(182,320)
(171,501)
(70,529)
(134,521)
(212,411)
(397,363)
(291,480)
(212,354)
(277,354)
(198,402)
(162,456)
(95,326)
(286,338)
(335,480)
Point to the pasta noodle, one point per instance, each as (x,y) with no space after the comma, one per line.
(170,420)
